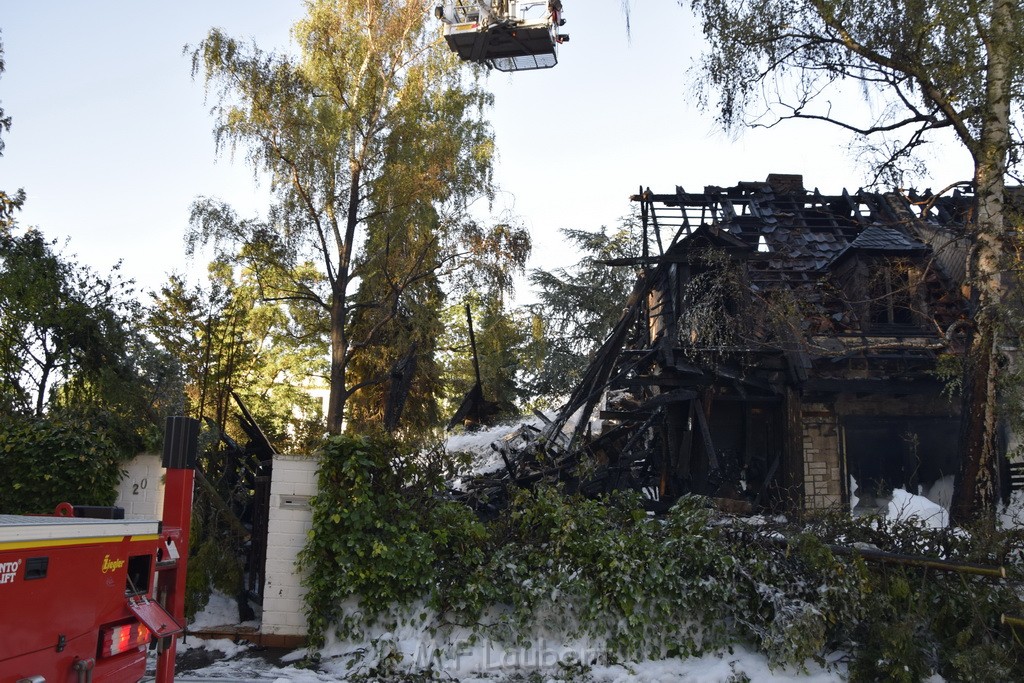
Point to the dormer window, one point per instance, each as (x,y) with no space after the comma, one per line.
(891,296)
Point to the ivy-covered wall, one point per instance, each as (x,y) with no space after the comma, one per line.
(389,549)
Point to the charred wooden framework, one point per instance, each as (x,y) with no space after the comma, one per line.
(777,342)
(247,470)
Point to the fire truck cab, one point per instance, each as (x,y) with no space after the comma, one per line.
(81,597)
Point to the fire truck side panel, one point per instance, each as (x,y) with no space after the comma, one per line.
(62,581)
(48,663)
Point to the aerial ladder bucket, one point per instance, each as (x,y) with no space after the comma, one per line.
(501,35)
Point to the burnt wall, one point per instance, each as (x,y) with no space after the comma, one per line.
(885,442)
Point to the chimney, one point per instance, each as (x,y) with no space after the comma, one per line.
(785,183)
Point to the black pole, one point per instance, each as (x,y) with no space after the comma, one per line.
(472,345)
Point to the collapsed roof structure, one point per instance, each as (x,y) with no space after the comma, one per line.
(779,344)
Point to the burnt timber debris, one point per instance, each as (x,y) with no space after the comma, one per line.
(247,470)
(777,342)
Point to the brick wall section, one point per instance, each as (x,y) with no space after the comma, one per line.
(293,482)
(141,493)
(822,471)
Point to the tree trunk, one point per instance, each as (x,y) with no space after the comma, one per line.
(974,491)
(44,379)
(339,341)
(974,494)
(339,309)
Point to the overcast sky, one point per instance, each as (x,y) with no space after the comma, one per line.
(112,138)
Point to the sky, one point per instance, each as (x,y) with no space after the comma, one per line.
(112,137)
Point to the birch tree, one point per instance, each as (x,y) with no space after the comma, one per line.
(370,134)
(9,202)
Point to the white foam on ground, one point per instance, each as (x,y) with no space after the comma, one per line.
(220,610)
(458,659)
(941,491)
(905,506)
(485,459)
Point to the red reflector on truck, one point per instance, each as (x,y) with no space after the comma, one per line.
(118,639)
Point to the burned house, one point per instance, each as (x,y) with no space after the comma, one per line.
(779,342)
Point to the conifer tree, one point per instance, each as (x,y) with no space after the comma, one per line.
(577,307)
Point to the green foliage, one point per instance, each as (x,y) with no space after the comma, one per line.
(377,532)
(68,341)
(949,369)
(942,623)
(583,568)
(67,351)
(706,588)
(405,343)
(46,461)
(684,584)
(915,623)
(214,557)
(502,342)
(226,339)
(922,71)
(577,307)
(376,143)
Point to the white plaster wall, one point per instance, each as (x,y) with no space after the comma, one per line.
(141,493)
(292,484)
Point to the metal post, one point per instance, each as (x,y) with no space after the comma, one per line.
(180,450)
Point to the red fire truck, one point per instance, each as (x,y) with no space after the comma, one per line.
(82,598)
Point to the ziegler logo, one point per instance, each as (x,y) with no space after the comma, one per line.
(8,570)
(110,565)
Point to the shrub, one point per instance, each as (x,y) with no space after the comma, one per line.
(46,461)
(681,584)
(378,533)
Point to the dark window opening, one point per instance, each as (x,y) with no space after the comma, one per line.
(139,572)
(890,301)
(746,439)
(911,453)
